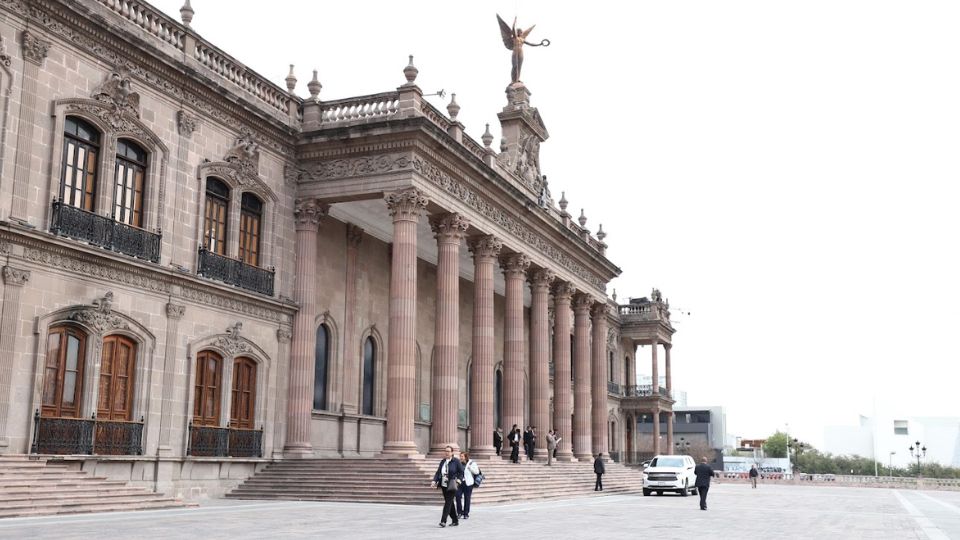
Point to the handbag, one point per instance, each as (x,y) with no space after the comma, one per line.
(478,479)
(451,484)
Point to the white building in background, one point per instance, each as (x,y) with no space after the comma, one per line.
(888,439)
(679,396)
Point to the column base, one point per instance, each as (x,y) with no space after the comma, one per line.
(298,451)
(539,454)
(568,457)
(584,457)
(400,449)
(483,452)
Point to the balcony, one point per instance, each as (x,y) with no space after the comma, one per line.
(643,310)
(104,232)
(235,272)
(211,441)
(613,388)
(82,436)
(643,390)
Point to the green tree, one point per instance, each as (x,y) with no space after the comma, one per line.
(776,445)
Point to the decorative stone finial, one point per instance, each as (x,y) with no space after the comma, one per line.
(453,108)
(314,87)
(410,72)
(487,137)
(563,201)
(186,13)
(291,80)
(582,219)
(614,295)
(600,234)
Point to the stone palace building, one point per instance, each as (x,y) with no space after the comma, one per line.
(204,272)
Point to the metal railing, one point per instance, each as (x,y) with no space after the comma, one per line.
(212,441)
(83,436)
(104,232)
(613,388)
(235,272)
(643,390)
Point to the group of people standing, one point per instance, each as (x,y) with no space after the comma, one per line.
(528,438)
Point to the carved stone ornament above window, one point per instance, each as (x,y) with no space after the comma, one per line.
(231,343)
(100,317)
(245,156)
(117,93)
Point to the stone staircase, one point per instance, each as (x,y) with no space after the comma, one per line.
(400,481)
(33,487)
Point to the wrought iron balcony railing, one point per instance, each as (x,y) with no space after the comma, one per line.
(613,388)
(235,272)
(104,232)
(83,436)
(212,441)
(643,390)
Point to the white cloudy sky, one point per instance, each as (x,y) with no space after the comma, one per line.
(787,172)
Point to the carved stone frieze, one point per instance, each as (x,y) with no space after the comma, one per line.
(15,276)
(34,49)
(231,304)
(359,166)
(99,270)
(117,121)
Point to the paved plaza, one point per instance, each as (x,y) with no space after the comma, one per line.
(736,511)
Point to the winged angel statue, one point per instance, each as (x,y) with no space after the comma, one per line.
(514,39)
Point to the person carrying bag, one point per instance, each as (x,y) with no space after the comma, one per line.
(448,477)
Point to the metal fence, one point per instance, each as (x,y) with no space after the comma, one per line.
(86,436)
(104,232)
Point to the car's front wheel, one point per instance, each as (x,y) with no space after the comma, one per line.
(646,492)
(686,488)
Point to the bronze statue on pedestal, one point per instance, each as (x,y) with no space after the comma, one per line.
(514,39)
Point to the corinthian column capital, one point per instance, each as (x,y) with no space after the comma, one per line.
(563,290)
(485,247)
(514,264)
(308,213)
(599,310)
(449,227)
(582,302)
(541,278)
(406,205)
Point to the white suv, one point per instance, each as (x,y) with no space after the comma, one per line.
(670,473)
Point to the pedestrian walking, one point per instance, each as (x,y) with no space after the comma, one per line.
(515,444)
(470,472)
(527,441)
(704,474)
(599,469)
(533,441)
(754,473)
(551,446)
(448,476)
(498,440)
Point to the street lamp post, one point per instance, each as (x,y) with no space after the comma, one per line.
(798,448)
(890,468)
(917,451)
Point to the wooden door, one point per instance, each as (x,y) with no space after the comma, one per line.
(206,389)
(117,362)
(63,372)
(244,393)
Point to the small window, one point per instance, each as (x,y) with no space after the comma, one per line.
(321,359)
(900,427)
(251,215)
(369,376)
(215,215)
(81,148)
(610,367)
(131,170)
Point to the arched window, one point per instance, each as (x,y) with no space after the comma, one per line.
(251,215)
(215,213)
(128,189)
(244,394)
(63,372)
(610,367)
(81,148)
(498,401)
(206,389)
(117,364)
(321,366)
(369,376)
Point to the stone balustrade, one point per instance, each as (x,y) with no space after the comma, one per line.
(150,19)
(377,106)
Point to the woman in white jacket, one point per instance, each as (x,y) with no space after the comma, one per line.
(470,470)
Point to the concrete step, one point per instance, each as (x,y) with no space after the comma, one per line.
(112,506)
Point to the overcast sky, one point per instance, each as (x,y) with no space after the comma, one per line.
(787,172)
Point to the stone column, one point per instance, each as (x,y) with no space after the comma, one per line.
(582,416)
(405,209)
(169,402)
(655,368)
(562,291)
(449,230)
(514,268)
(307,216)
(540,281)
(631,374)
(666,365)
(670,417)
(485,250)
(656,431)
(600,376)
(34,53)
(284,336)
(351,346)
(13,279)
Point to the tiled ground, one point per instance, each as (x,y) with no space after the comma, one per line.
(736,511)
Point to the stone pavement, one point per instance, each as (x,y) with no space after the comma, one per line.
(736,511)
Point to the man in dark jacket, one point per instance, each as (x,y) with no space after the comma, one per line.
(599,469)
(527,441)
(449,473)
(497,440)
(515,444)
(704,474)
(754,473)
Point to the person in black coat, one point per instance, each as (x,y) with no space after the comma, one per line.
(599,469)
(497,440)
(528,441)
(704,474)
(515,444)
(754,473)
(448,476)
